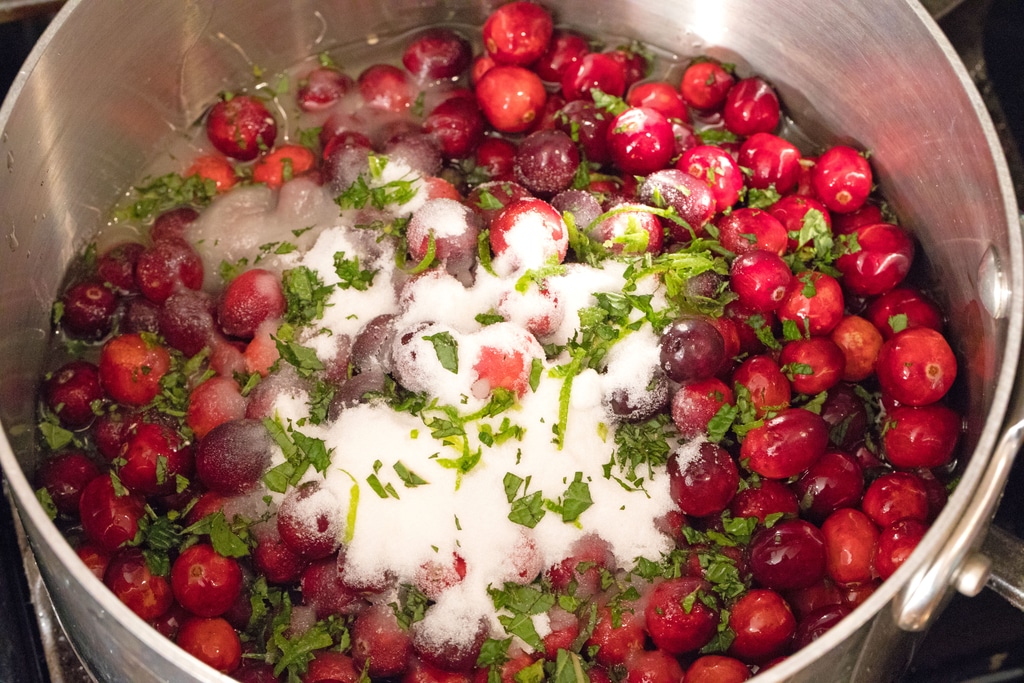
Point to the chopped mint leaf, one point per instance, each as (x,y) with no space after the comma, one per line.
(447,350)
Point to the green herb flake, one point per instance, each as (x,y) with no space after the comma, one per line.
(349,273)
(408,477)
(447,350)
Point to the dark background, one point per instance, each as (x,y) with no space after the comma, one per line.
(980,639)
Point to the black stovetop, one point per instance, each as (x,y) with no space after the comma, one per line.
(980,640)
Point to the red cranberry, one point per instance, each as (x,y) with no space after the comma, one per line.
(640,141)
(763,623)
(695,403)
(594,70)
(786,444)
(896,496)
(714,166)
(705,85)
(675,629)
(495,158)
(73,392)
(241,127)
(850,540)
(617,636)
(457,652)
(329,666)
(746,229)
(64,475)
(814,301)
(835,481)
(565,49)
(88,310)
(842,179)
(702,478)
(437,53)
(116,267)
(309,521)
(129,577)
(517,33)
(630,229)
(813,365)
(817,624)
(751,106)
(770,498)
(385,87)
(635,65)
(661,97)
(924,436)
(131,368)
(901,308)
(322,87)
(748,324)
(916,367)
(273,559)
(773,162)
(588,127)
(760,279)
(380,643)
(511,98)
(205,582)
(767,388)
(250,299)
(879,262)
(717,669)
(895,544)
(153,459)
(692,200)
(212,641)
(457,125)
(108,519)
(166,267)
(789,555)
(795,213)
(280,165)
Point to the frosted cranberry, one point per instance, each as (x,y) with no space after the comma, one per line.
(896,496)
(760,280)
(691,199)
(717,669)
(88,310)
(517,33)
(835,481)
(746,229)
(530,232)
(205,582)
(173,224)
(895,544)
(717,168)
(457,125)
(786,444)
(324,590)
(916,367)
(131,368)
(817,624)
(850,540)
(773,162)
(437,53)
(629,229)
(659,96)
(140,315)
(322,87)
(250,299)
(702,478)
(344,163)
(153,459)
(860,342)
(487,200)
(789,555)
(881,260)
(705,85)
(129,577)
(212,403)
(116,267)
(379,643)
(72,392)
(233,456)
(451,225)
(924,436)
(764,625)
(419,151)
(691,348)
(588,127)
(584,207)
(511,98)
(109,520)
(696,403)
(767,388)
(751,106)
(166,267)
(450,651)
(842,179)
(212,641)
(617,638)
(813,365)
(385,87)
(814,301)
(582,566)
(186,321)
(592,71)
(309,521)
(546,162)
(769,498)
(280,565)
(494,158)
(903,307)
(241,127)
(64,475)
(277,167)
(640,141)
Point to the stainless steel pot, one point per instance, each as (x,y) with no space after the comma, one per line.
(112,82)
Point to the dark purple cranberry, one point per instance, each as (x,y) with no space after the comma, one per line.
(457,125)
(173,224)
(88,310)
(817,624)
(846,415)
(187,321)
(354,391)
(117,266)
(110,431)
(787,556)
(233,456)
(437,53)
(588,127)
(691,349)
(632,405)
(166,267)
(323,589)
(322,87)
(546,162)
(72,393)
(64,475)
(421,152)
(835,480)
(370,347)
(691,198)
(583,206)
(140,315)
(344,163)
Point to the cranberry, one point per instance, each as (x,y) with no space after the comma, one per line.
(436,54)
(250,299)
(88,310)
(213,168)
(173,224)
(131,368)
(702,478)
(379,643)
(166,267)
(691,348)
(488,199)
(582,567)
(691,199)
(617,636)
(896,496)
(746,229)
(108,519)
(879,262)
(212,403)
(329,666)
(273,559)
(73,392)
(309,522)
(635,65)
(850,540)
(763,623)
(748,324)
(130,578)
(592,71)
(629,229)
(661,97)
(773,162)
(760,280)
(511,98)
(640,141)
(385,87)
(751,106)
(789,555)
(714,166)
(842,179)
(517,33)
(280,165)
(457,125)
(696,403)
(860,342)
(767,388)
(153,459)
(717,669)
(241,127)
(495,158)
(322,87)
(564,49)
(116,267)
(64,475)
(901,308)
(817,624)
(924,436)
(705,84)
(835,481)
(786,444)
(452,651)
(324,590)
(800,217)
(205,582)
(813,365)
(895,544)
(546,162)
(652,666)
(94,558)
(186,321)
(212,641)
(769,498)
(814,301)
(529,232)
(916,367)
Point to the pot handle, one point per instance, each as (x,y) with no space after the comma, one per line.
(959,562)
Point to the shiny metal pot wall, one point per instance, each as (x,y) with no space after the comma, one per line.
(89,110)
